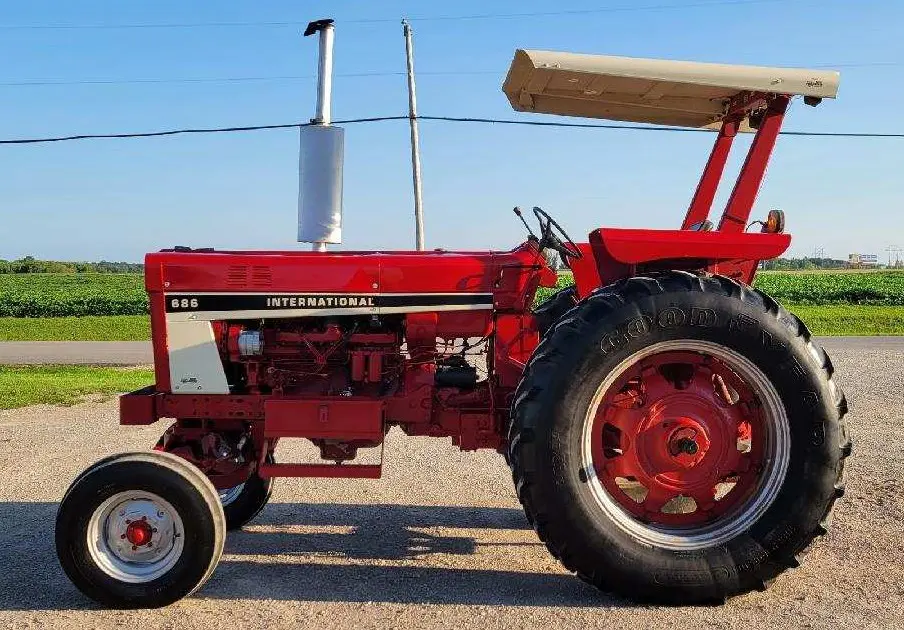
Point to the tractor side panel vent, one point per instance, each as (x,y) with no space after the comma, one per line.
(237,276)
(261,276)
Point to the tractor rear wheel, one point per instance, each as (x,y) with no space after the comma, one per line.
(552,309)
(243,502)
(140,530)
(678,438)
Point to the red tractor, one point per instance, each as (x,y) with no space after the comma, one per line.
(674,435)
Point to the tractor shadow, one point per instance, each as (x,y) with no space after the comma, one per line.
(325,552)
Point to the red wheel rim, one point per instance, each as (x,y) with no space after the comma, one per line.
(680,440)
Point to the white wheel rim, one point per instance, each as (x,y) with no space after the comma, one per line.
(112,549)
(778,449)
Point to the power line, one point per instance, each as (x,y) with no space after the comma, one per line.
(175,132)
(451,119)
(425,18)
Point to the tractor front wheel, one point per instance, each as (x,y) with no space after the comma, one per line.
(678,438)
(140,530)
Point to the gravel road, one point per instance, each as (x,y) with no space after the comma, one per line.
(76,352)
(440,541)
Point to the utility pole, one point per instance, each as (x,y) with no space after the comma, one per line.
(892,249)
(415,140)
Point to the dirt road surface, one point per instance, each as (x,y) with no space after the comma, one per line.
(441,541)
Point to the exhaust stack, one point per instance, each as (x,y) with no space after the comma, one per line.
(321,157)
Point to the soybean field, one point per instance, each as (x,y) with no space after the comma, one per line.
(72,294)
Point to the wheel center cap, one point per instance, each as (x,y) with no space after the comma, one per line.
(139,533)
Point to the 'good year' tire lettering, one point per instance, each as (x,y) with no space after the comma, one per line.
(632,329)
(703,317)
(672,317)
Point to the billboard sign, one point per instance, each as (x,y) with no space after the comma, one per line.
(864,260)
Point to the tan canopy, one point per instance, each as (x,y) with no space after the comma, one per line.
(657,91)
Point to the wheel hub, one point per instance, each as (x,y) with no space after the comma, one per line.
(139,531)
(135,536)
(688,443)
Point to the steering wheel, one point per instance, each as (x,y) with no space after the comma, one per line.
(553,236)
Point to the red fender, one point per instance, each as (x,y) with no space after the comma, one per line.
(620,253)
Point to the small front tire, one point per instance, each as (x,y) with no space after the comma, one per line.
(140,530)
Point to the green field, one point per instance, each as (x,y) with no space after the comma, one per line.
(882,288)
(72,294)
(65,385)
(113,307)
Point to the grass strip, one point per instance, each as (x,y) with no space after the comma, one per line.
(843,320)
(65,384)
(90,328)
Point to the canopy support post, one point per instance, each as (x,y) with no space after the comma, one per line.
(712,175)
(740,203)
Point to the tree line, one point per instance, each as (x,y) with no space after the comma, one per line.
(30,264)
(784,264)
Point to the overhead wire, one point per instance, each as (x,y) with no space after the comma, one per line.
(423,18)
(450,119)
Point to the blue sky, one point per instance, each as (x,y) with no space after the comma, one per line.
(116,199)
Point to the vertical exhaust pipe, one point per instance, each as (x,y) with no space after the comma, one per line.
(321,156)
(324,69)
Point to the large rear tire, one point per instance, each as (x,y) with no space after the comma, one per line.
(678,438)
(140,530)
(550,311)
